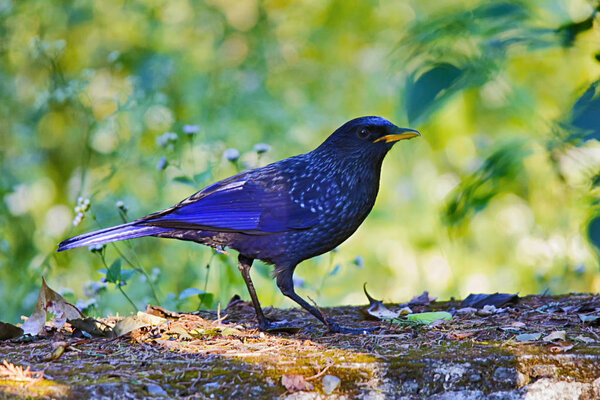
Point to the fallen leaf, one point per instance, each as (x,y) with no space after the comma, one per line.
(9,331)
(58,348)
(588,318)
(49,301)
(422,300)
(161,312)
(528,337)
(236,301)
(496,299)
(584,339)
(487,310)
(429,317)
(461,335)
(376,309)
(180,331)
(140,320)
(560,347)
(295,383)
(404,311)
(556,335)
(92,327)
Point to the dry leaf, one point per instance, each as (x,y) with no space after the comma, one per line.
(162,312)
(9,331)
(556,335)
(93,327)
(138,321)
(58,348)
(422,300)
(295,383)
(496,299)
(584,339)
(376,309)
(461,335)
(560,347)
(50,301)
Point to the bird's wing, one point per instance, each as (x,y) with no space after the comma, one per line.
(244,203)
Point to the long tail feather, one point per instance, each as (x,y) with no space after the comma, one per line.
(113,234)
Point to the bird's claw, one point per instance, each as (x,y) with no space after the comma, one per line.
(277,327)
(336,328)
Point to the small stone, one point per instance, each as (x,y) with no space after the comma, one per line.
(466,310)
(330,383)
(156,390)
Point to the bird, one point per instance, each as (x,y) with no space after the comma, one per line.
(282,213)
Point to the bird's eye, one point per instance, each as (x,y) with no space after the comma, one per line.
(363,133)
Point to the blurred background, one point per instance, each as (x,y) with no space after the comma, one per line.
(114,109)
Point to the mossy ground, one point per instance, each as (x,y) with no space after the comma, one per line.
(203,356)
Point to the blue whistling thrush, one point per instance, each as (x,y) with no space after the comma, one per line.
(282,213)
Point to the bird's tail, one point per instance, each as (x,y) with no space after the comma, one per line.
(121,232)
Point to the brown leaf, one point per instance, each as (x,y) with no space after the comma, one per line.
(295,383)
(58,348)
(556,335)
(560,347)
(9,331)
(162,312)
(461,335)
(236,301)
(376,310)
(138,321)
(422,300)
(93,327)
(50,301)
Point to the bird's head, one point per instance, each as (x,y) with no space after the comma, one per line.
(366,137)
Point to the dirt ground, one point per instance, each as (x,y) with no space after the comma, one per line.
(221,355)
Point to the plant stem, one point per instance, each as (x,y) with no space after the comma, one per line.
(135,309)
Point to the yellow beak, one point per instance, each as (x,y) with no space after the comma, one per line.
(405,133)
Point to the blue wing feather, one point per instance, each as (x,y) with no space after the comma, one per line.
(243,205)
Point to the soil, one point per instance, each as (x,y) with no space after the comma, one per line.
(539,340)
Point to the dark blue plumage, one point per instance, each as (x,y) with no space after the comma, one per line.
(283,213)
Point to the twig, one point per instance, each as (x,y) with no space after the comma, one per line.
(321,373)
(320,312)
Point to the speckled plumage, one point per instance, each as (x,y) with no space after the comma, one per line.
(282,213)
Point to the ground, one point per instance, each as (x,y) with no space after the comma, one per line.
(541,347)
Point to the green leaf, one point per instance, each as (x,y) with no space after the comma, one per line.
(206,300)
(426,92)
(113,274)
(429,317)
(186,180)
(203,176)
(126,274)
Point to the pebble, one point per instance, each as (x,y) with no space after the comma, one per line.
(330,383)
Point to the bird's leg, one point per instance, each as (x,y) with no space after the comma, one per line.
(244,264)
(285,283)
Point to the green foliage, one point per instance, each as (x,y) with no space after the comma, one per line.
(134,105)
(501,171)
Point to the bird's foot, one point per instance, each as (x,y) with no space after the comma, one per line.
(277,327)
(335,328)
